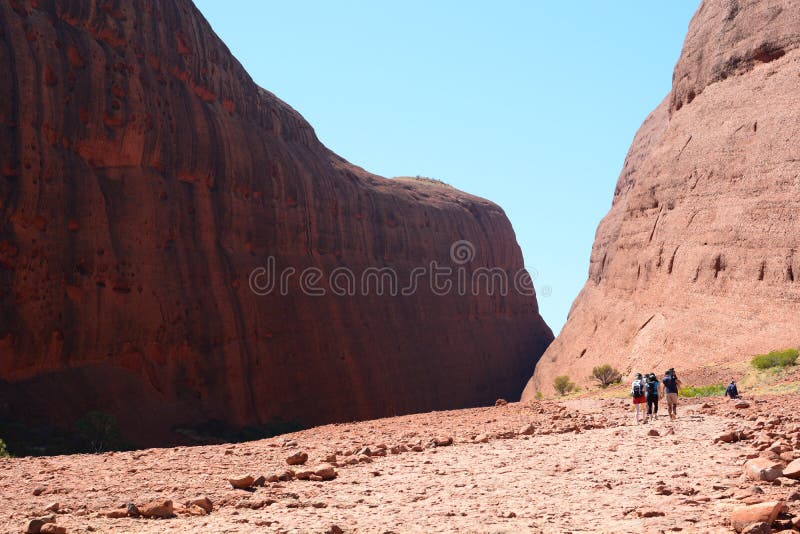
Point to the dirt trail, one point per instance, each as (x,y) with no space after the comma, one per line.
(586,468)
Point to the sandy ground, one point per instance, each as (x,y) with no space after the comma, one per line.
(586,468)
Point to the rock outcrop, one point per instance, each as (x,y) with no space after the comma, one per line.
(145,176)
(696,266)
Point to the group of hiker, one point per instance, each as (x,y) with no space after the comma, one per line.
(647,390)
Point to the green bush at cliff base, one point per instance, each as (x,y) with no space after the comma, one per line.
(776,358)
(606,375)
(563,385)
(714,390)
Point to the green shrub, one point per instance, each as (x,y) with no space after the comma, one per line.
(606,375)
(703,391)
(98,432)
(776,358)
(3,451)
(539,395)
(563,385)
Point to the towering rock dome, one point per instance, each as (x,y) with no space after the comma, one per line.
(697,265)
(144,178)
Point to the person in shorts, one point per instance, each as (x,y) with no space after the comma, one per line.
(638,394)
(670,385)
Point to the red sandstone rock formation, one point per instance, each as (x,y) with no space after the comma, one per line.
(696,265)
(145,176)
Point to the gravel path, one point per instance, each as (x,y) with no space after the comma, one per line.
(586,468)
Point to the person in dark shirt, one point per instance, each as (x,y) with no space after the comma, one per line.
(651,390)
(732,391)
(670,385)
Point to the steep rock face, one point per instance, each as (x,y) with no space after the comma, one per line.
(145,176)
(696,266)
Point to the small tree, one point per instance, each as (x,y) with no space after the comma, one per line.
(606,375)
(563,385)
(3,451)
(98,432)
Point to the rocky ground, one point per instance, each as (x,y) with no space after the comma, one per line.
(571,466)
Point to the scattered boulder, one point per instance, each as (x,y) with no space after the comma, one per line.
(283,476)
(443,442)
(38,490)
(792,470)
(160,509)
(501,402)
(725,437)
(482,438)
(762,469)
(35,525)
(765,512)
(52,507)
(304,474)
(298,458)
(203,502)
(242,482)
(742,404)
(653,432)
(528,430)
(115,513)
(325,472)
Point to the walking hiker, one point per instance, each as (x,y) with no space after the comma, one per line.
(651,390)
(732,391)
(637,392)
(670,385)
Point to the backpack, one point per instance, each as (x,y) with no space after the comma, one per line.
(652,388)
(637,390)
(669,384)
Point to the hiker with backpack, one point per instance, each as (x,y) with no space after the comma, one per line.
(670,385)
(651,393)
(637,392)
(732,391)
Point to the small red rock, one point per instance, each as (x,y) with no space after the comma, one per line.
(298,458)
(242,482)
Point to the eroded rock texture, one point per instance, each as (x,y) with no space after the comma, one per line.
(697,265)
(145,175)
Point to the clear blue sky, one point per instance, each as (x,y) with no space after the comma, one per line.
(530,104)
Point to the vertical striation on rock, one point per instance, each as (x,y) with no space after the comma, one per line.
(696,265)
(143,176)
